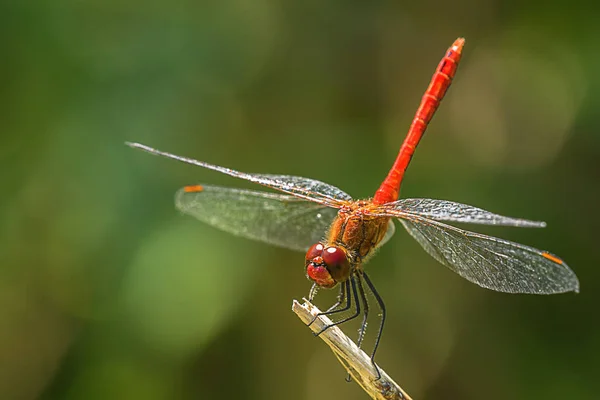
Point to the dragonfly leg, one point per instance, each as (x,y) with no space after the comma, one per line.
(381,306)
(354,315)
(340,300)
(342,297)
(313,292)
(363,325)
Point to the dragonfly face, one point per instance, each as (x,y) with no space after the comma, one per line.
(327,266)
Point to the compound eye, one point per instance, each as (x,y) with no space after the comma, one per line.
(334,256)
(337,263)
(316,250)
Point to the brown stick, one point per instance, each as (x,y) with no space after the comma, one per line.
(357,363)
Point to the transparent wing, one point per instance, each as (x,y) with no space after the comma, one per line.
(442,210)
(277,219)
(491,262)
(304,188)
(388,234)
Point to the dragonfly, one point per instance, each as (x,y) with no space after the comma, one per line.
(339,234)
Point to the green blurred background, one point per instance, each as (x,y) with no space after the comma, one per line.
(107,292)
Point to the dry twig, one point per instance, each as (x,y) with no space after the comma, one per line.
(357,363)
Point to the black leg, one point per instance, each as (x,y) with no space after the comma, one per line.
(363,325)
(381,305)
(343,296)
(356,313)
(340,300)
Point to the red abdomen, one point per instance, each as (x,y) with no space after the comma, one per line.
(440,82)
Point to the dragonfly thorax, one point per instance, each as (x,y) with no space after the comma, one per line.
(327,266)
(357,231)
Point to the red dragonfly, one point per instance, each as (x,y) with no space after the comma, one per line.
(340,234)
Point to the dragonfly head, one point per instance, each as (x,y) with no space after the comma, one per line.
(326,266)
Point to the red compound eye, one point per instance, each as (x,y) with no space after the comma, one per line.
(337,263)
(334,256)
(316,250)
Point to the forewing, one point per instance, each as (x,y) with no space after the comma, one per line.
(277,219)
(443,210)
(305,188)
(491,262)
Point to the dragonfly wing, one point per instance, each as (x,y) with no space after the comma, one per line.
(443,210)
(491,262)
(305,188)
(277,219)
(388,234)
